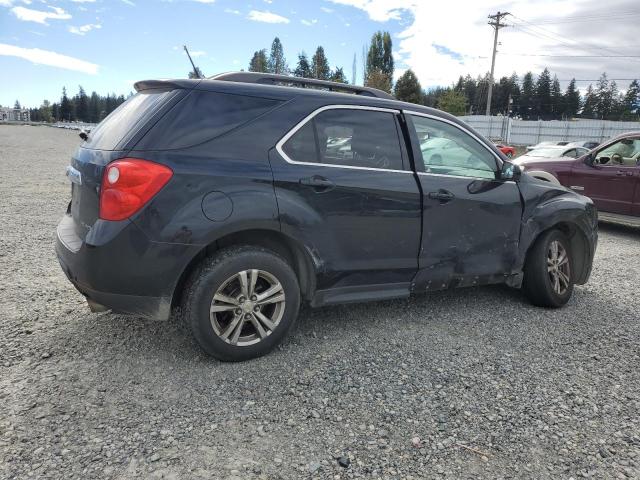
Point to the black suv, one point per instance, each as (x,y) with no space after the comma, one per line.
(241,196)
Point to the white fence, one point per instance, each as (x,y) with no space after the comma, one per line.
(529,132)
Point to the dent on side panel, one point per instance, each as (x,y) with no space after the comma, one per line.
(548,205)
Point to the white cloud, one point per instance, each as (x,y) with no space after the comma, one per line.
(46,57)
(442,40)
(129,2)
(309,23)
(204,1)
(232,11)
(83,1)
(266,17)
(39,16)
(326,9)
(81,30)
(198,53)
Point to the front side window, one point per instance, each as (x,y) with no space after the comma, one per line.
(623,152)
(348,138)
(449,150)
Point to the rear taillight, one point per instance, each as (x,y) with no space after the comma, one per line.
(128,184)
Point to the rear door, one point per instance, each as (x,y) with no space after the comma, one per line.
(471,219)
(346,191)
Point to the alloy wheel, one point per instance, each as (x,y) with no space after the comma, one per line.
(247,307)
(558,267)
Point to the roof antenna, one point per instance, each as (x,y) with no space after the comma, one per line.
(196,71)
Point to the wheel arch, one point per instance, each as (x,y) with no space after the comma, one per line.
(291,250)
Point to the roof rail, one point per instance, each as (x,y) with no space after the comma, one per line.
(273,79)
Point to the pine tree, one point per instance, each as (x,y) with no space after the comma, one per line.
(528,97)
(66,108)
(557,100)
(514,82)
(379,80)
(590,107)
(195,74)
(259,62)
(45,112)
(452,102)
(631,102)
(571,100)
(338,76)
(303,68)
(604,100)
(470,89)
(543,93)
(320,65)
(380,59)
(408,88)
(17,105)
(82,106)
(95,114)
(277,63)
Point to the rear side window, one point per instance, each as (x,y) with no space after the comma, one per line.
(125,120)
(349,138)
(202,116)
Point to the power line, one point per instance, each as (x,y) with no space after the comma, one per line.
(587,18)
(568,56)
(495,22)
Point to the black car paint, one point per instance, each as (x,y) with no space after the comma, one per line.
(363,240)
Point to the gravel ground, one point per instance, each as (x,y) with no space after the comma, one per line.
(463,384)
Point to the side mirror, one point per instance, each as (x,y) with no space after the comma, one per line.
(510,171)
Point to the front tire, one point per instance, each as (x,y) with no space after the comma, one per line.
(548,272)
(242,302)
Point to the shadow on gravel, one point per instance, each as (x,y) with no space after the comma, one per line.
(614,228)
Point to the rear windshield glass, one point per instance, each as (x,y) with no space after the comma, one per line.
(125,119)
(202,116)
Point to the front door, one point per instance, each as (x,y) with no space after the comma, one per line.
(346,191)
(610,180)
(471,218)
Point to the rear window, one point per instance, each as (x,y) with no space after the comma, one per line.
(125,120)
(202,116)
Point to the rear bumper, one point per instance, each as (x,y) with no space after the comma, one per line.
(127,273)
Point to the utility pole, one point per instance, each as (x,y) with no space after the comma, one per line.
(353,70)
(495,22)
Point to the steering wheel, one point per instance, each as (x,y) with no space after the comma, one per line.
(616,158)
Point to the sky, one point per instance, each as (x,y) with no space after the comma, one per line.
(107,45)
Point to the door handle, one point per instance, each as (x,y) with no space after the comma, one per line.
(443,195)
(319,183)
(621,173)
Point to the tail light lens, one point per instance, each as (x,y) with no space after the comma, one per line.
(128,184)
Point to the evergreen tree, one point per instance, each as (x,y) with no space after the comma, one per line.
(379,60)
(631,101)
(17,105)
(528,97)
(82,106)
(320,65)
(452,102)
(408,88)
(277,63)
(338,76)
(303,68)
(590,107)
(543,101)
(95,114)
(571,100)
(603,95)
(55,112)
(66,108)
(514,82)
(470,88)
(557,99)
(259,62)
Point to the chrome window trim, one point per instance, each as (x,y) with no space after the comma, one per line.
(464,177)
(499,161)
(303,122)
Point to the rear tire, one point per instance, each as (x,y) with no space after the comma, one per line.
(257,299)
(548,271)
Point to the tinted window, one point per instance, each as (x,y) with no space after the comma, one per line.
(448,150)
(348,137)
(125,120)
(202,116)
(302,146)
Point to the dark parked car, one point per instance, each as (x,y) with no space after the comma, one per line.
(609,175)
(239,199)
